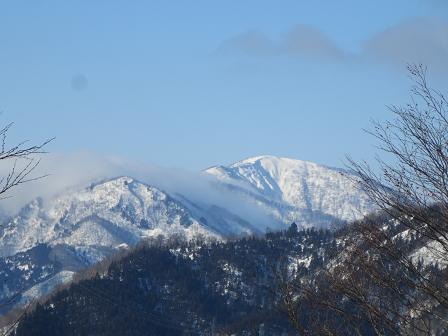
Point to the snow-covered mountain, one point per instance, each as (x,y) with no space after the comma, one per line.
(296,191)
(106,214)
(47,241)
(82,226)
(124,210)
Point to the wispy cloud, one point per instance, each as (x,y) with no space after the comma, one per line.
(420,40)
(64,172)
(78,170)
(253,43)
(300,41)
(304,40)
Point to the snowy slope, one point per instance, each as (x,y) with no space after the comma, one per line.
(124,210)
(107,214)
(294,190)
(35,272)
(82,226)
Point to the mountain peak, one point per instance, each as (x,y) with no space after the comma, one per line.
(114,181)
(253,159)
(102,215)
(305,189)
(278,160)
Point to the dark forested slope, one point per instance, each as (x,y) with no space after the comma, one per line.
(184,289)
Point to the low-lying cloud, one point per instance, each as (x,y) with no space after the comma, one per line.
(74,171)
(62,172)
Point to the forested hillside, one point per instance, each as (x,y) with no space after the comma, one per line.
(186,288)
(295,281)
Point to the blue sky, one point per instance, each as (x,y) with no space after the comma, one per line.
(196,83)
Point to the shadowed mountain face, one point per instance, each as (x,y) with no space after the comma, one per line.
(30,274)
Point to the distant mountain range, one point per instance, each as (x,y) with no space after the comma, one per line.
(92,222)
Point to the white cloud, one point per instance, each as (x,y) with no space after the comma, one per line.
(64,171)
(78,170)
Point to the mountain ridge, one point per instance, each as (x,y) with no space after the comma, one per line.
(287,190)
(94,221)
(300,184)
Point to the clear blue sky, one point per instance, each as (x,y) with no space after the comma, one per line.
(197,83)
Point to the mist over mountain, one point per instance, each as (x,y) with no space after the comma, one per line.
(252,196)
